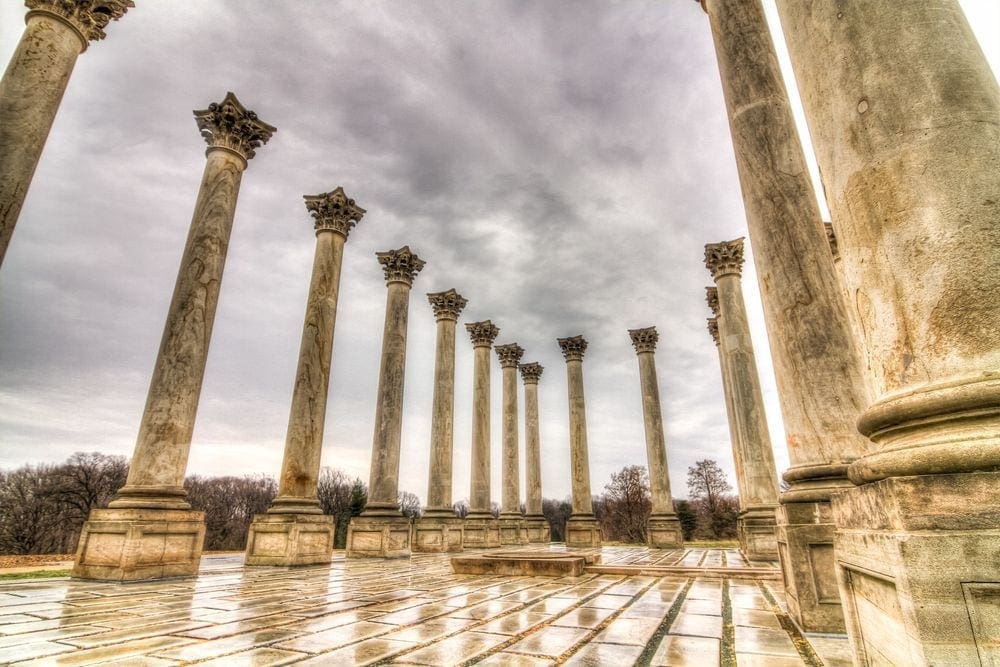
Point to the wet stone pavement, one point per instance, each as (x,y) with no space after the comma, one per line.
(414,612)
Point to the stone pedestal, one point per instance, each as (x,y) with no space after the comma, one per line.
(757,528)
(138,544)
(437,534)
(480,532)
(512,531)
(290,539)
(664,531)
(378,537)
(582,532)
(806,530)
(918,560)
(538,529)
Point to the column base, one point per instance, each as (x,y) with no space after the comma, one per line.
(663,531)
(582,531)
(538,530)
(378,537)
(512,530)
(436,535)
(290,539)
(917,564)
(139,544)
(481,532)
(756,527)
(805,547)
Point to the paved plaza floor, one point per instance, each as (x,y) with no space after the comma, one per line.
(417,612)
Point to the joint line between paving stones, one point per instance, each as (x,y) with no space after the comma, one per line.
(727,645)
(801,644)
(646,657)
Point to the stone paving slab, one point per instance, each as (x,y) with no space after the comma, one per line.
(415,611)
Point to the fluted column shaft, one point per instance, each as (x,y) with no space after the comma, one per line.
(532,449)
(32,89)
(656,449)
(580,461)
(479,498)
(510,506)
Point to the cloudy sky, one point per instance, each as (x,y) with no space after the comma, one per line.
(561,164)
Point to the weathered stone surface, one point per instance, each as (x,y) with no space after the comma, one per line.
(481,529)
(480,532)
(290,539)
(525,563)
(536,526)
(512,530)
(378,536)
(727,392)
(32,89)
(437,534)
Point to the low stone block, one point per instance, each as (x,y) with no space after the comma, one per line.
(664,532)
(512,531)
(290,539)
(525,563)
(805,546)
(378,537)
(437,535)
(138,544)
(582,532)
(537,530)
(758,537)
(480,533)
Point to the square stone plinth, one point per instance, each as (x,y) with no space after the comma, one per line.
(664,532)
(437,534)
(538,530)
(290,539)
(582,532)
(137,544)
(512,531)
(805,546)
(918,563)
(378,537)
(758,536)
(481,533)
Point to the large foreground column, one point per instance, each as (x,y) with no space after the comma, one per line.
(905,118)
(712,297)
(481,529)
(663,529)
(581,528)
(439,530)
(535,522)
(512,527)
(382,530)
(757,519)
(295,531)
(32,89)
(821,383)
(149,530)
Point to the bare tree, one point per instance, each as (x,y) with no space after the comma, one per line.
(710,493)
(627,505)
(461,509)
(29,517)
(84,482)
(229,504)
(495,510)
(557,512)
(409,505)
(336,494)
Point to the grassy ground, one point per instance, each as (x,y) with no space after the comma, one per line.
(34,574)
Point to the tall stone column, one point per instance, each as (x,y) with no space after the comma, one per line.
(439,530)
(821,382)
(581,528)
(905,118)
(536,524)
(481,530)
(32,89)
(149,530)
(295,531)
(757,519)
(712,297)
(512,527)
(663,529)
(382,531)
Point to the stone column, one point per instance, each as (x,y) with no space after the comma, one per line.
(382,531)
(439,530)
(821,381)
(905,118)
(663,528)
(32,89)
(295,531)
(536,524)
(712,297)
(149,530)
(581,528)
(512,527)
(481,530)
(757,519)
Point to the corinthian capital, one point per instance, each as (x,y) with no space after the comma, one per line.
(400,266)
(482,333)
(723,258)
(334,211)
(531,372)
(447,305)
(510,354)
(88,17)
(713,328)
(573,347)
(644,340)
(831,238)
(231,126)
(712,299)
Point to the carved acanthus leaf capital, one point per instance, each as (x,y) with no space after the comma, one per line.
(644,340)
(509,354)
(713,329)
(447,305)
(400,266)
(482,333)
(531,372)
(87,17)
(334,211)
(573,347)
(230,125)
(712,299)
(723,258)
(831,238)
